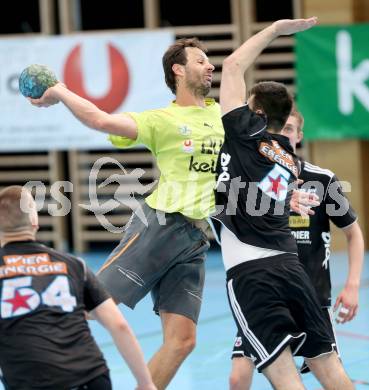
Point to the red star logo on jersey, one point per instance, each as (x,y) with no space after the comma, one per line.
(275,185)
(19,301)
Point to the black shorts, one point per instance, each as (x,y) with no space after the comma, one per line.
(274,305)
(327,313)
(240,349)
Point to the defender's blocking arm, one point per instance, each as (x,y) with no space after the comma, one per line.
(233,87)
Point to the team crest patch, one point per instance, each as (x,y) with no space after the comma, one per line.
(275,183)
(184,130)
(238,342)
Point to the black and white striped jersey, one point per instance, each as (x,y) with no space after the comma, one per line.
(312,233)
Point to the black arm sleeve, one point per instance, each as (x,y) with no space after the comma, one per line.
(338,207)
(244,123)
(94,292)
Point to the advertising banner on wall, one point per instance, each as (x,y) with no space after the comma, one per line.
(333,81)
(116,71)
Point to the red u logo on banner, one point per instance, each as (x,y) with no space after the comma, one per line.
(119,79)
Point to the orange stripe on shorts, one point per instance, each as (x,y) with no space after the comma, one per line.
(129,243)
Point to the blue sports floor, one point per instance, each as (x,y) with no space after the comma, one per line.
(209,365)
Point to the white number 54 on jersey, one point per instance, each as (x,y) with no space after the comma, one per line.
(19,298)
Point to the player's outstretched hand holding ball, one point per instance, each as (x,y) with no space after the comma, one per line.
(35,82)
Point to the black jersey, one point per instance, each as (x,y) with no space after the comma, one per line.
(312,233)
(45,341)
(255,170)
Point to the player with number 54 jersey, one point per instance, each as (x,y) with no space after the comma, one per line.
(38,287)
(45,341)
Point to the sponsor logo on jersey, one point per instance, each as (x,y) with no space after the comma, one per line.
(184,130)
(326,237)
(274,152)
(301,234)
(35,264)
(36,258)
(201,166)
(224,176)
(188,146)
(208,125)
(211,146)
(298,221)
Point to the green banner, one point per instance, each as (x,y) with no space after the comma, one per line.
(333,81)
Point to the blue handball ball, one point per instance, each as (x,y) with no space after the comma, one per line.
(35,80)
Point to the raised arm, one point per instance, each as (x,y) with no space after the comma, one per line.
(233,87)
(87,112)
(108,314)
(348,298)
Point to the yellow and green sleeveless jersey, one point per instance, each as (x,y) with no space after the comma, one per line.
(186,143)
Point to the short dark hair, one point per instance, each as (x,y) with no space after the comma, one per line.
(176,54)
(274,100)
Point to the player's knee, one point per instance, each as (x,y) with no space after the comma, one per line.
(185,347)
(188,344)
(182,345)
(329,370)
(328,364)
(235,381)
(241,375)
